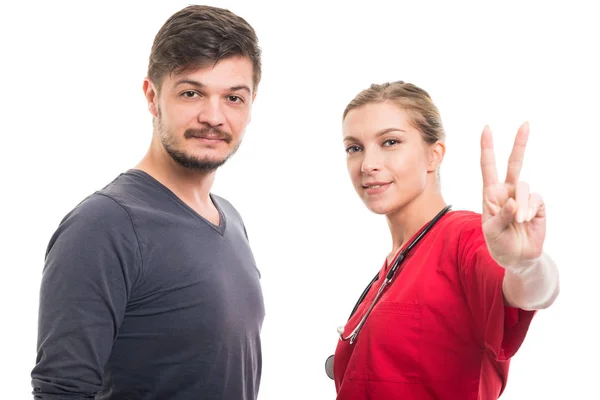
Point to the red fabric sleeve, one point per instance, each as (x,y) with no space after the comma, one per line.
(502,328)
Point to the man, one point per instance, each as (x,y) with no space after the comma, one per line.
(150,289)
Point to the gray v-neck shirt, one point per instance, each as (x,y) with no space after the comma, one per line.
(142,298)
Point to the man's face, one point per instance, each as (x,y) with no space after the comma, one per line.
(202,114)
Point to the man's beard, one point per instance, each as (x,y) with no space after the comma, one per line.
(187,161)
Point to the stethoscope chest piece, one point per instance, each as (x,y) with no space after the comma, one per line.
(329,366)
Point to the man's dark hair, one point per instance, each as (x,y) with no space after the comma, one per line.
(198,37)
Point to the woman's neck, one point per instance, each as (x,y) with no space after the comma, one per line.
(406,222)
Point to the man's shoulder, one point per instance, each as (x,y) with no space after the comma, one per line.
(104,209)
(95,220)
(98,209)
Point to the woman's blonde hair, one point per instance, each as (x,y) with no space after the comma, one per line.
(424,115)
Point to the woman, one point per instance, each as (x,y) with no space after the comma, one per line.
(465,286)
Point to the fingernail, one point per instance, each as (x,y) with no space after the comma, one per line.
(531,214)
(519,216)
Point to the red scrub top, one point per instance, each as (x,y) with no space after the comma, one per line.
(440,330)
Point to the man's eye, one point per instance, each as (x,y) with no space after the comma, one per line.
(235,99)
(190,94)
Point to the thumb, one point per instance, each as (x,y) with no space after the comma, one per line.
(495,225)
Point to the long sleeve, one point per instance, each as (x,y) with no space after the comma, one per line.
(91,265)
(502,327)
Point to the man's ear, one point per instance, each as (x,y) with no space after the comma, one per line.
(253,98)
(151,97)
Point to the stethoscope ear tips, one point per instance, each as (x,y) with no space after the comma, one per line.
(340,330)
(329,366)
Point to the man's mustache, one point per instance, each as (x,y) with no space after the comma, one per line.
(208,133)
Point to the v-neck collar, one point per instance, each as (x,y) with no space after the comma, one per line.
(222,222)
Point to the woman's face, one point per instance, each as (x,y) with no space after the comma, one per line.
(389,163)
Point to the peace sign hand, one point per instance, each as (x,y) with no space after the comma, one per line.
(514,221)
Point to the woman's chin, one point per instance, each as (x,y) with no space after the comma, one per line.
(378,208)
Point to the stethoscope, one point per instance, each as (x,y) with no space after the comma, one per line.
(351,338)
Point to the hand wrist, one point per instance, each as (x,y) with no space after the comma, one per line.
(532,285)
(525,266)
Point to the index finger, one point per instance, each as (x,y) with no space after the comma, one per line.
(488,159)
(515,161)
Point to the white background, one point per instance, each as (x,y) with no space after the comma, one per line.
(73,117)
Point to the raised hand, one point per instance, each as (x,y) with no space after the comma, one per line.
(514,221)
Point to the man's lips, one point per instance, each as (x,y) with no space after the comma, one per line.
(213,138)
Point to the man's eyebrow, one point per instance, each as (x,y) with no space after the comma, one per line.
(240,87)
(201,85)
(191,82)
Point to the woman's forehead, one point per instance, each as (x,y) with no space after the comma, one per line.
(372,119)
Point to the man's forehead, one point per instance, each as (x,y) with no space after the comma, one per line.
(214,76)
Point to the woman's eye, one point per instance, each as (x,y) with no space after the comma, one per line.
(390,142)
(352,149)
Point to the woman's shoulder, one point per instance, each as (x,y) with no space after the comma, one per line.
(462,235)
(462,224)
(462,217)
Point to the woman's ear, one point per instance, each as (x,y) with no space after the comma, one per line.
(436,155)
